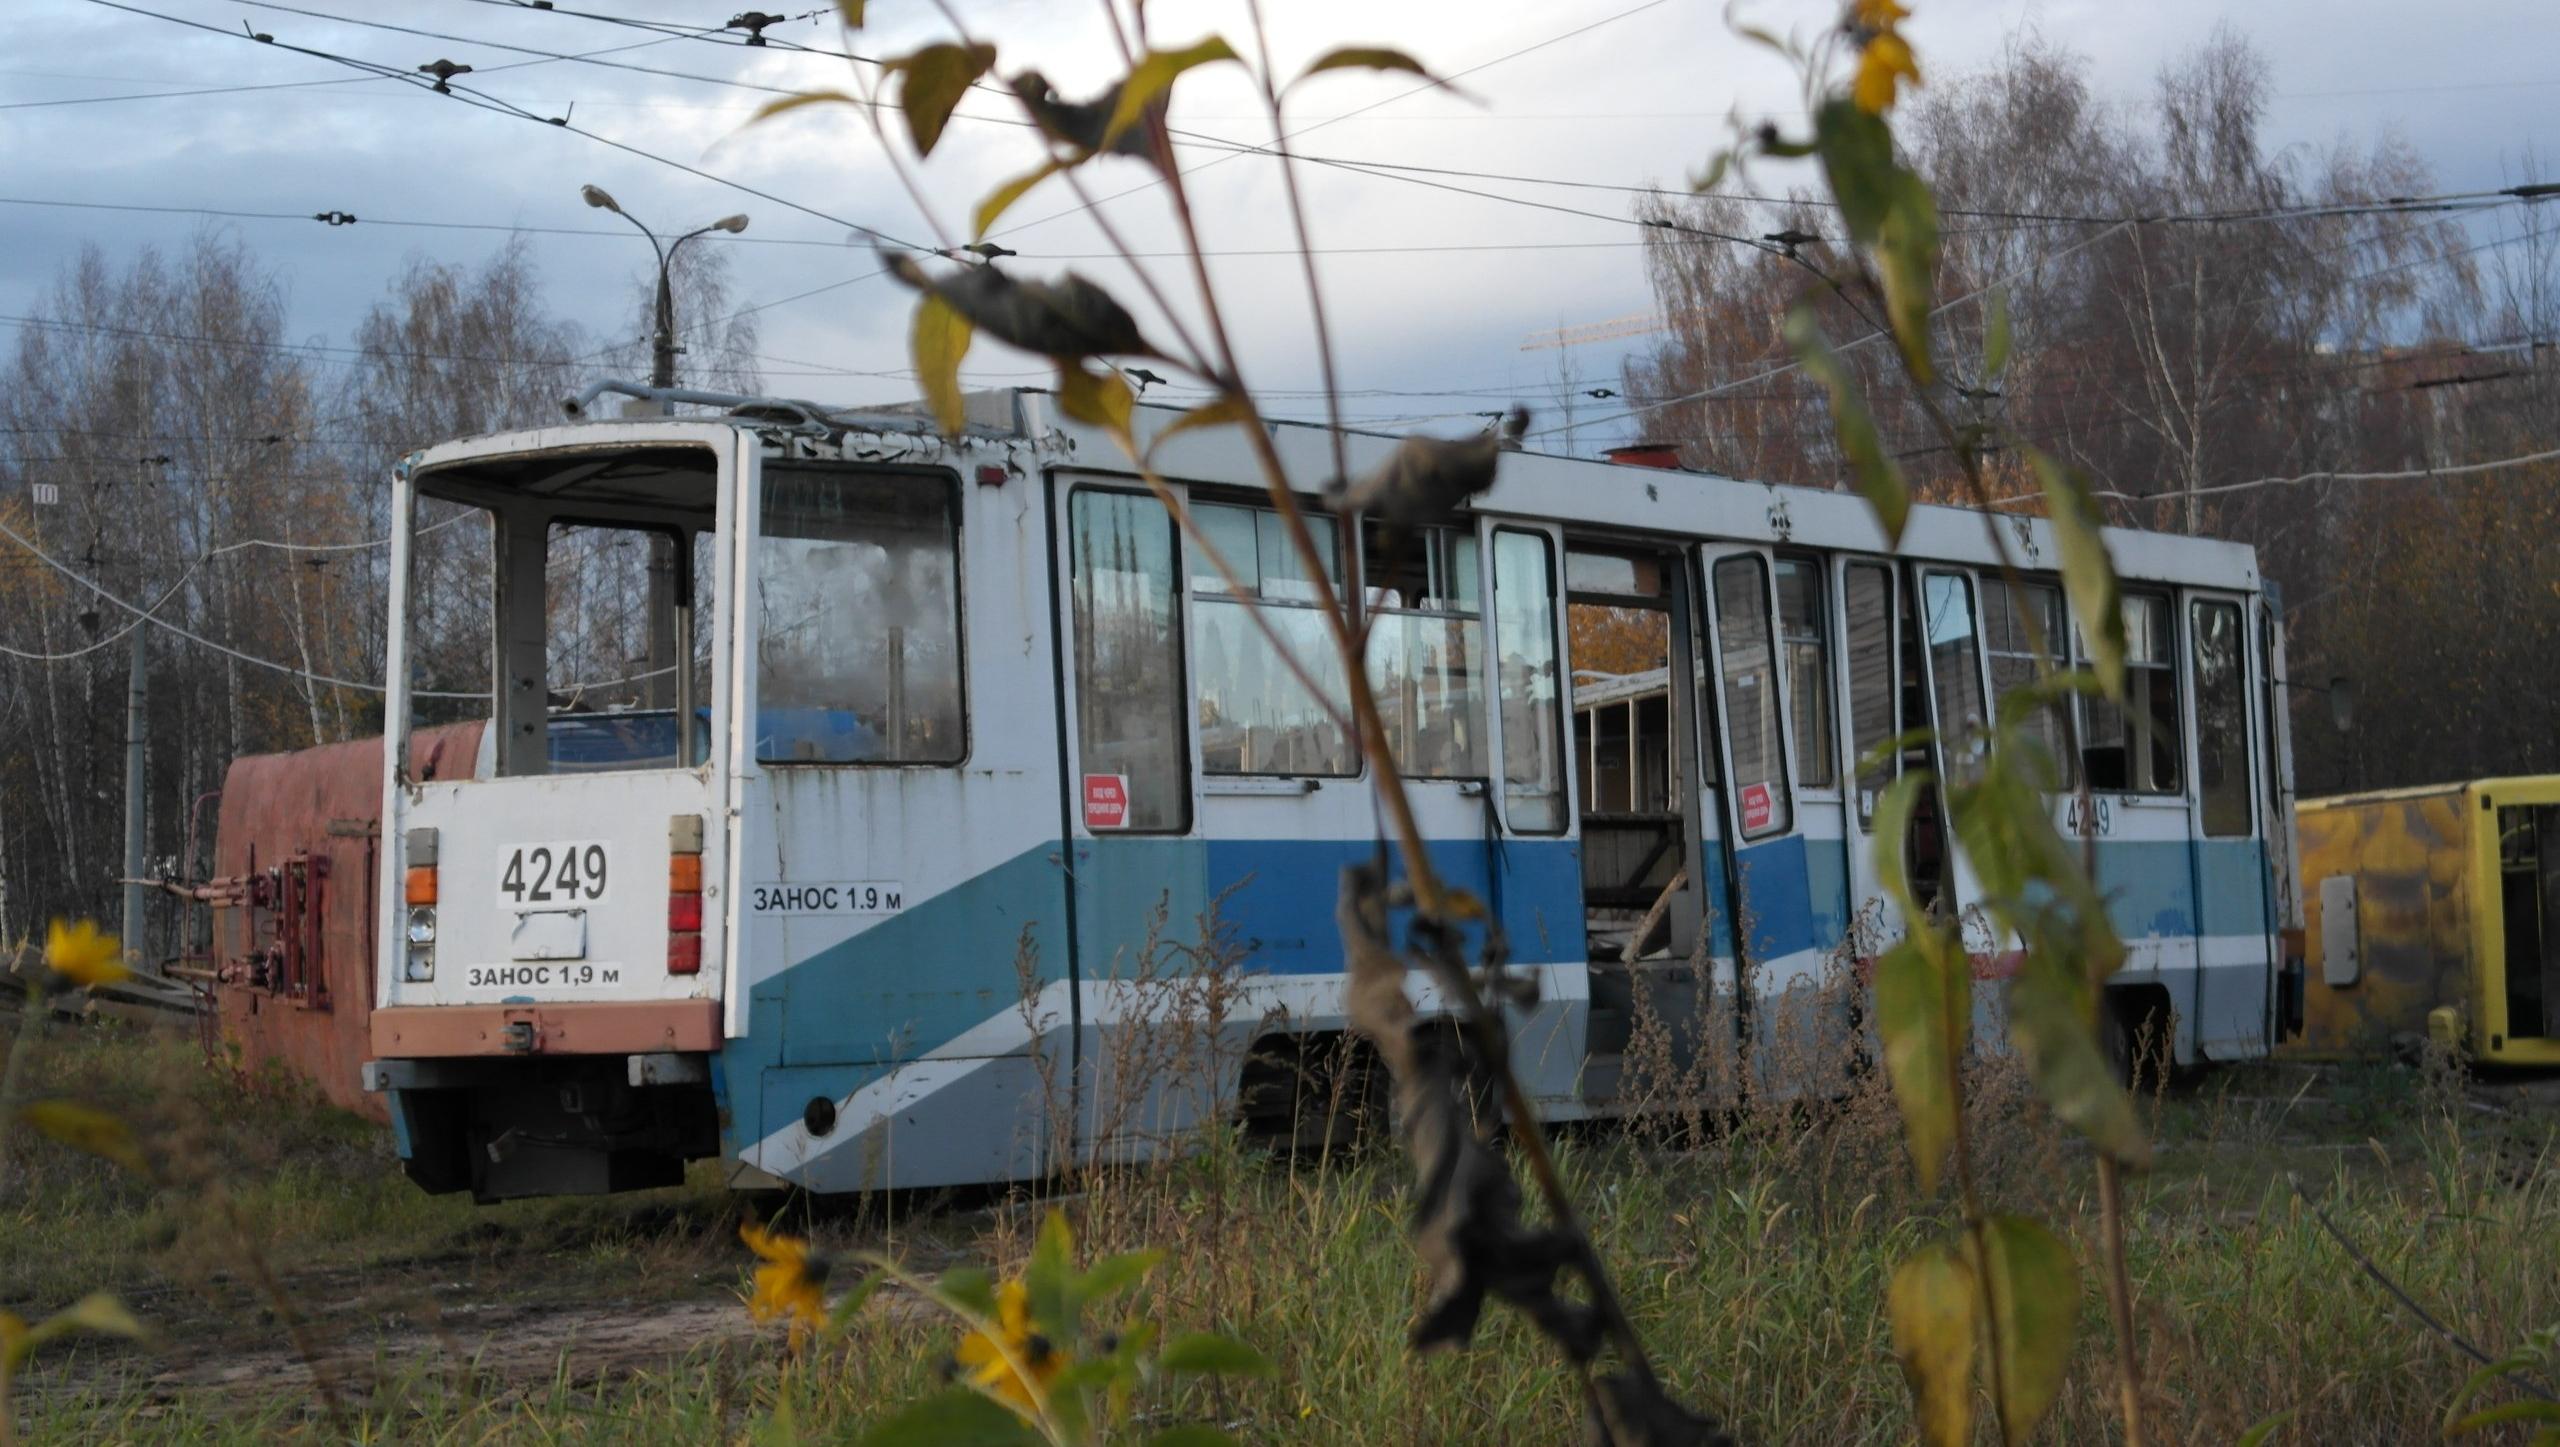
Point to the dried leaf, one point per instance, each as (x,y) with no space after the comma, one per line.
(1425,478)
(1229,411)
(1102,399)
(936,77)
(1466,1206)
(2088,574)
(850,12)
(1001,199)
(1082,126)
(2032,1289)
(1629,1410)
(85,1128)
(1150,82)
(1878,476)
(940,342)
(1068,319)
(1932,1306)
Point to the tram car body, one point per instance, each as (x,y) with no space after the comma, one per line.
(980,769)
(2433,913)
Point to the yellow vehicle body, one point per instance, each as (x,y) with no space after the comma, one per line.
(2433,912)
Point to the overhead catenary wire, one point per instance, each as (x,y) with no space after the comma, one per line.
(142,614)
(473,95)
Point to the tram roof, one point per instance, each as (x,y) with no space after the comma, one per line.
(1590,497)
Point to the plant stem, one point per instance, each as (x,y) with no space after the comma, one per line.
(30,1024)
(2120,1296)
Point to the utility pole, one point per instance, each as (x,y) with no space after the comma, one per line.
(136,719)
(660,691)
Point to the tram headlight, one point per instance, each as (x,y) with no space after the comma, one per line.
(421,966)
(422,926)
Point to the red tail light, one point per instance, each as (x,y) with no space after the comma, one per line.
(684,954)
(684,912)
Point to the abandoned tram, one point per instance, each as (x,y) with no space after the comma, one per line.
(946,749)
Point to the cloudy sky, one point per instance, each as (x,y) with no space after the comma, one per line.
(1432,290)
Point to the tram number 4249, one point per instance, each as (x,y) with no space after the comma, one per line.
(2088,815)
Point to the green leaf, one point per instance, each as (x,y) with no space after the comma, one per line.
(1048,1279)
(2258,1434)
(1879,477)
(1932,1306)
(1995,335)
(1100,398)
(1154,76)
(773,108)
(968,1288)
(84,1128)
(1892,826)
(1212,1355)
(936,77)
(1718,166)
(940,342)
(1889,210)
(1191,1434)
(1924,1011)
(953,1417)
(1907,263)
(2052,1026)
(1367,57)
(2088,574)
(98,1312)
(2032,1288)
(849,1305)
(1001,199)
(1114,1274)
(2504,1413)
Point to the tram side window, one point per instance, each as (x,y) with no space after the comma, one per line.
(2017,624)
(2222,719)
(1128,655)
(1955,679)
(2133,748)
(858,619)
(1803,632)
(1746,665)
(1426,637)
(1256,717)
(1873,681)
(1525,679)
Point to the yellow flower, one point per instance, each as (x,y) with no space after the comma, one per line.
(1883,66)
(983,1357)
(1880,15)
(84,955)
(792,1282)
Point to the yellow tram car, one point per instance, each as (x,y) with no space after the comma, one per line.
(2432,912)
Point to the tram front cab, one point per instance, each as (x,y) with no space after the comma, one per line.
(549,996)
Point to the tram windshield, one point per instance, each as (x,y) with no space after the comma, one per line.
(566,596)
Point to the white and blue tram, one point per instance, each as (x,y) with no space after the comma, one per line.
(976,741)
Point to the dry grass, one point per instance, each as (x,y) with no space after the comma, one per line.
(1751,1244)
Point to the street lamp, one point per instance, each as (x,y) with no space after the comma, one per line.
(662,345)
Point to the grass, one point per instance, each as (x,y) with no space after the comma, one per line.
(1753,1261)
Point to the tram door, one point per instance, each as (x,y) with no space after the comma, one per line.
(1655,923)
(1870,664)
(1764,630)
